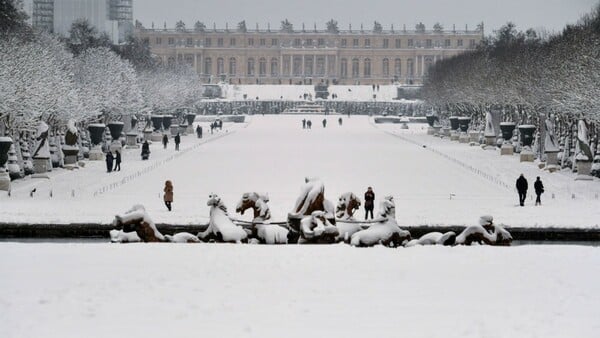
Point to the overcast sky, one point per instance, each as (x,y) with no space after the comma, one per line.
(550,14)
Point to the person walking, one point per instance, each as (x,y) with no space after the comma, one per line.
(165,140)
(109,161)
(340,121)
(117,161)
(522,189)
(324,123)
(199,131)
(168,197)
(303,123)
(177,141)
(145,150)
(369,202)
(308,124)
(539,190)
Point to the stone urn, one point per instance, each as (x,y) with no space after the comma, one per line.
(507,129)
(116,128)
(454,128)
(183,128)
(96,136)
(166,122)
(463,125)
(431,121)
(526,132)
(5,143)
(190,121)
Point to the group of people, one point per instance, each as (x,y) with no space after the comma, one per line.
(522,187)
(165,141)
(307,124)
(216,124)
(110,159)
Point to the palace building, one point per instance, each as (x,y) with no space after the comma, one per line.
(308,56)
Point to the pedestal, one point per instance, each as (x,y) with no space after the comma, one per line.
(507,149)
(116,145)
(584,169)
(430,131)
(552,161)
(148,135)
(490,141)
(463,138)
(41,165)
(436,130)
(156,137)
(70,153)
(183,129)
(474,136)
(454,135)
(446,131)
(4,180)
(526,155)
(174,129)
(131,141)
(190,129)
(96,154)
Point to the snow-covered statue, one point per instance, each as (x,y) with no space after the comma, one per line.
(550,141)
(42,146)
(486,232)
(348,203)
(220,226)
(386,231)
(258,203)
(434,238)
(583,142)
(261,230)
(312,199)
(490,131)
(70,149)
(137,220)
(316,228)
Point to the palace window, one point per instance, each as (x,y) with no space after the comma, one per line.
(251,67)
(208,66)
(220,42)
(262,42)
(297,42)
(220,66)
(189,41)
(232,67)
(320,66)
(354,68)
(344,68)
(297,66)
(158,41)
(397,67)
(398,43)
(309,42)
(274,42)
(410,68)
(447,43)
(386,67)
(343,42)
(410,42)
(262,67)
(274,67)
(386,43)
(250,41)
(428,64)
(232,42)
(472,43)
(146,41)
(321,42)
(171,41)
(354,42)
(207,42)
(308,65)
(367,68)
(459,43)
(367,43)
(428,43)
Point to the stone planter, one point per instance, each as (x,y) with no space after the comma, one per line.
(96,133)
(166,121)
(526,132)
(157,122)
(116,129)
(507,129)
(463,123)
(431,121)
(454,122)
(190,119)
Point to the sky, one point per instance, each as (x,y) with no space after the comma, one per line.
(552,15)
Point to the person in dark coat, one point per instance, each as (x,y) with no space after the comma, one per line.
(145,150)
(165,140)
(109,161)
(522,189)
(369,202)
(340,121)
(303,123)
(199,131)
(117,161)
(177,141)
(324,123)
(168,196)
(308,124)
(539,190)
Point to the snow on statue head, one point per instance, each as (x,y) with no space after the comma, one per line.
(72,133)
(490,131)
(42,148)
(583,142)
(347,204)
(138,220)
(258,203)
(386,231)
(316,228)
(220,227)
(312,198)
(486,232)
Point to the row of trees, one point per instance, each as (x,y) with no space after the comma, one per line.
(529,77)
(84,78)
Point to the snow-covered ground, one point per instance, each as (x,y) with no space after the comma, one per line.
(222,290)
(445,183)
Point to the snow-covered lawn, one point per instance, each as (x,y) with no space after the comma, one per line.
(441,184)
(223,290)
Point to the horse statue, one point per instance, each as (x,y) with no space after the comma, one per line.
(348,203)
(220,227)
(386,231)
(264,232)
(316,228)
(312,198)
(137,220)
(486,232)
(434,238)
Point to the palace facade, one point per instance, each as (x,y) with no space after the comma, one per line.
(308,56)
